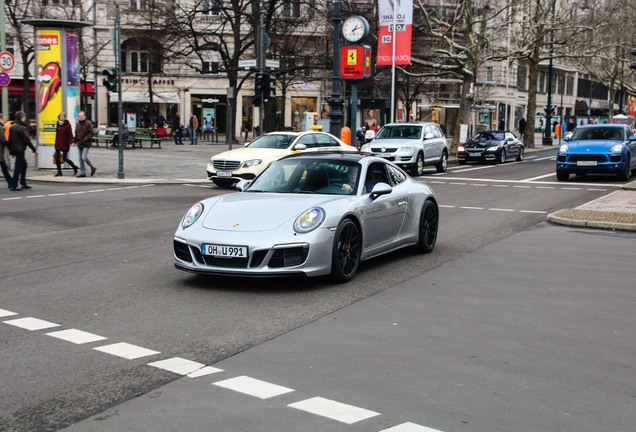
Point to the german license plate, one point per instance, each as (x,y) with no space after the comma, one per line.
(224,251)
(383,154)
(474,154)
(586,163)
(224,173)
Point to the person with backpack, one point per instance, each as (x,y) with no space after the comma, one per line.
(18,142)
(5,158)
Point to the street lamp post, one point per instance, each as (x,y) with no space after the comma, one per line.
(547,138)
(335,102)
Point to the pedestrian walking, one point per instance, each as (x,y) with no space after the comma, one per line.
(63,141)
(18,142)
(5,157)
(194,125)
(177,129)
(522,127)
(84,142)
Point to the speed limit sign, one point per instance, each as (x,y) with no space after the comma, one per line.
(6,61)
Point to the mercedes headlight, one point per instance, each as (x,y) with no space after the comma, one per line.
(564,148)
(616,148)
(309,220)
(192,215)
(461,148)
(252,163)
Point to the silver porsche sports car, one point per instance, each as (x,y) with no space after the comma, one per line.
(309,215)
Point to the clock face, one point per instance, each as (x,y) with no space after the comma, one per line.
(355,28)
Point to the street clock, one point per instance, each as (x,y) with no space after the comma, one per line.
(355,28)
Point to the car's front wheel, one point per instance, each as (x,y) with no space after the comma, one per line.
(418,168)
(429,223)
(520,155)
(562,175)
(626,173)
(443,163)
(345,256)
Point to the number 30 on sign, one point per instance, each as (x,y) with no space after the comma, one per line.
(6,61)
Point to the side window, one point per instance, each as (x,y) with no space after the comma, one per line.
(438,132)
(396,175)
(308,140)
(375,174)
(325,141)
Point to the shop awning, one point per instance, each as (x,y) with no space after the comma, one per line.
(16,88)
(142,97)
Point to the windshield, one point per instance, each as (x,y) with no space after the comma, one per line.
(320,176)
(400,132)
(599,133)
(489,136)
(275,141)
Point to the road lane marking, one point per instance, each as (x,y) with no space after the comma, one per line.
(126,350)
(183,366)
(6,313)
(75,336)
(409,427)
(338,411)
(533,211)
(253,387)
(502,210)
(204,371)
(553,157)
(556,183)
(31,323)
(471,208)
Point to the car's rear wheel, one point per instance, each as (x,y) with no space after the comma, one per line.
(627,171)
(429,223)
(418,168)
(443,163)
(520,156)
(562,175)
(345,256)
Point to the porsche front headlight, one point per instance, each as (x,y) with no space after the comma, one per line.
(616,148)
(192,215)
(252,163)
(564,148)
(309,220)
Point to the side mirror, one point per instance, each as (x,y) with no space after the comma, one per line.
(241,185)
(300,147)
(567,138)
(632,138)
(429,136)
(380,189)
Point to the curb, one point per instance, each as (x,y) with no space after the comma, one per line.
(615,226)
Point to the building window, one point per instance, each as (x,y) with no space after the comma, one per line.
(541,88)
(561,82)
(210,7)
(140,57)
(140,5)
(291,9)
(569,89)
(210,67)
(522,74)
(489,73)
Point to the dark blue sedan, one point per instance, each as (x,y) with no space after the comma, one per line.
(598,149)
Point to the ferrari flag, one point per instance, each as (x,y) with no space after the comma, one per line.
(403,29)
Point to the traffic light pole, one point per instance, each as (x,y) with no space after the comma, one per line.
(261,69)
(335,102)
(120,108)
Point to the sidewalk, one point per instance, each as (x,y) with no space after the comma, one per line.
(173,164)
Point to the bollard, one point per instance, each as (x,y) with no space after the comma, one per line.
(345,135)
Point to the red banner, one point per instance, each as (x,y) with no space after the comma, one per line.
(403,30)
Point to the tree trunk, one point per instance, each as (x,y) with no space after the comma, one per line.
(465,104)
(533,77)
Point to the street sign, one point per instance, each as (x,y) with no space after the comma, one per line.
(5,79)
(247,63)
(209,100)
(274,64)
(6,61)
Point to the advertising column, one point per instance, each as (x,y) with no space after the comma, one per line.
(57,87)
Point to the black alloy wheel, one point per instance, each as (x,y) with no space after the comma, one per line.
(502,156)
(429,223)
(345,256)
(627,171)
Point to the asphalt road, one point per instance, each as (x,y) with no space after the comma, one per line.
(99,260)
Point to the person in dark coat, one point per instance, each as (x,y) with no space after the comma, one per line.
(5,159)
(522,127)
(177,128)
(84,140)
(18,142)
(63,141)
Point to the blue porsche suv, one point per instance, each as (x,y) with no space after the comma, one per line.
(598,149)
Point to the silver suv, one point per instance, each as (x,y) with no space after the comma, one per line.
(411,145)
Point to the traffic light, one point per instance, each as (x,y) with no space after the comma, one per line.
(111,79)
(256,100)
(258,83)
(272,87)
(266,88)
(632,65)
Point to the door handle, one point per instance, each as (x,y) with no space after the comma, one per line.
(402,203)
